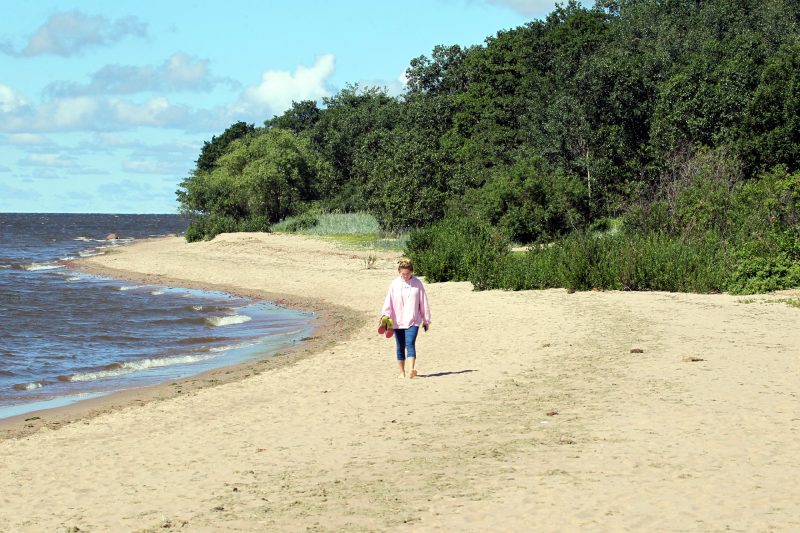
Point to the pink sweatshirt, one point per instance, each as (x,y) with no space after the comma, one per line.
(407,304)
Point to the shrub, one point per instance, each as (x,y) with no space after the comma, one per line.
(615,262)
(455,249)
(206,227)
(768,265)
(302,222)
(531,202)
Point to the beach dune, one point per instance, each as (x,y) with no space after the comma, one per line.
(533,411)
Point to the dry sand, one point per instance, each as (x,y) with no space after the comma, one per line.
(531,413)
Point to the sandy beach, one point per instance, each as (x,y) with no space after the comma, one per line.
(533,411)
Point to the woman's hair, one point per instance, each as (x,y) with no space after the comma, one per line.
(405,263)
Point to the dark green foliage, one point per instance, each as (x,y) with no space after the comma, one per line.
(772,117)
(408,189)
(581,262)
(454,249)
(531,202)
(304,221)
(346,136)
(217,146)
(206,227)
(270,173)
(712,236)
(756,272)
(302,116)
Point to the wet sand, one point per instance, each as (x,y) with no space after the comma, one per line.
(535,410)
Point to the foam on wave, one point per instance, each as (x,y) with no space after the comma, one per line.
(227,320)
(128,367)
(28,386)
(89,253)
(33,267)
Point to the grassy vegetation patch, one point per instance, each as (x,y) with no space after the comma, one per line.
(352,229)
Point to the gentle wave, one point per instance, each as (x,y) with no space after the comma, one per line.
(227,320)
(157,293)
(89,253)
(129,287)
(6,266)
(232,347)
(212,308)
(33,267)
(117,338)
(120,369)
(115,243)
(28,386)
(6,373)
(176,321)
(73,278)
(200,340)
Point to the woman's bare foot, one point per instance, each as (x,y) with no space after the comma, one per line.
(413,374)
(401,376)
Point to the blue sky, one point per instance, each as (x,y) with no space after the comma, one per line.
(104,105)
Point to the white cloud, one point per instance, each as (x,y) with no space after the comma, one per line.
(70,33)
(278,88)
(403,79)
(107,140)
(28,139)
(166,159)
(152,166)
(157,111)
(532,8)
(395,87)
(179,72)
(51,160)
(9,100)
(94,114)
(107,113)
(66,113)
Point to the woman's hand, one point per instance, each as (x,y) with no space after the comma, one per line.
(426,326)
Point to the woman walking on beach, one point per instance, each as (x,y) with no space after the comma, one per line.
(406,304)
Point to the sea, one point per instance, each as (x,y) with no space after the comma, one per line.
(67,336)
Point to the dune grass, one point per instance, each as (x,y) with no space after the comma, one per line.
(359,230)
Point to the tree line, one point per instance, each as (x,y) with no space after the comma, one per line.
(676,117)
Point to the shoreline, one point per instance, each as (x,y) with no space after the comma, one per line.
(331,322)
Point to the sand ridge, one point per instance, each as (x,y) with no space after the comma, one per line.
(531,412)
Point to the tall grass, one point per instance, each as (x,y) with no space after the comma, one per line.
(329,224)
(357,229)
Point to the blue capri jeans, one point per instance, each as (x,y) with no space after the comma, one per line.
(405,339)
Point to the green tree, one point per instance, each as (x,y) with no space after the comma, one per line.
(771,120)
(302,116)
(270,173)
(217,146)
